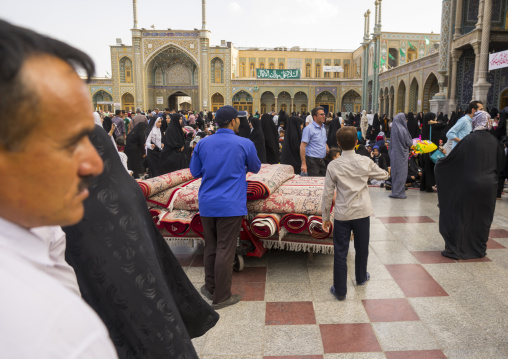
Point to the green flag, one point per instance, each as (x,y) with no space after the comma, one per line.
(411,46)
(402,53)
(427,41)
(391,57)
(375,65)
(383,61)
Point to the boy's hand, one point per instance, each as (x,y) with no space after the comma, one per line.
(326,226)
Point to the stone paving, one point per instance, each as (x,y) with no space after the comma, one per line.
(417,303)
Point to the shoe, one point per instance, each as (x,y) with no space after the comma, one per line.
(235,298)
(339,297)
(449,254)
(382,185)
(204,290)
(391,196)
(366,280)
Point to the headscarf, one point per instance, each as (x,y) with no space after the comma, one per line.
(258,138)
(174,137)
(332,133)
(290,154)
(97,119)
(481,121)
(271,139)
(399,128)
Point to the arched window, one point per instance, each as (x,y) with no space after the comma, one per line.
(336,74)
(318,70)
(308,70)
(272,66)
(252,67)
(217,71)
(327,74)
(125,70)
(281,66)
(411,55)
(261,65)
(242,69)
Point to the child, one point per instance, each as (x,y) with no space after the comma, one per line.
(348,175)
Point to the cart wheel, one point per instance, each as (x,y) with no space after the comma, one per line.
(239,263)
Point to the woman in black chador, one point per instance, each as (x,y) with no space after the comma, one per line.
(135,149)
(291,146)
(258,138)
(271,139)
(127,273)
(173,157)
(467,182)
(331,140)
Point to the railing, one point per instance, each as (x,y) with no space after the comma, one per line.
(295,48)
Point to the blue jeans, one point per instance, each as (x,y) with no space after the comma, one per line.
(341,237)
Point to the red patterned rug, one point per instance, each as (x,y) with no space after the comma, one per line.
(315,228)
(265,225)
(156,185)
(294,222)
(178,223)
(267,180)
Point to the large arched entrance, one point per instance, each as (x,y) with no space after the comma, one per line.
(267,102)
(413,96)
(300,102)
(503,98)
(179,101)
(326,100)
(351,101)
(170,70)
(242,101)
(284,101)
(102,101)
(217,101)
(430,88)
(128,102)
(401,97)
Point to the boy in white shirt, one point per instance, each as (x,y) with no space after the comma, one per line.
(348,175)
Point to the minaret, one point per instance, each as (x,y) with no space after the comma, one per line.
(379,17)
(376,16)
(366,27)
(135,9)
(203,11)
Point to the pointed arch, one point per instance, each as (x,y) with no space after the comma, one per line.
(125,70)
(401,97)
(413,96)
(430,88)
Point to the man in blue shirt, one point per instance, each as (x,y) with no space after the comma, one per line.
(223,160)
(464,126)
(313,148)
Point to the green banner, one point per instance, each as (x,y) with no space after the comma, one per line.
(278,74)
(411,46)
(402,53)
(391,57)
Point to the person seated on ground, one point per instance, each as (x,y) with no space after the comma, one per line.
(380,139)
(361,140)
(378,159)
(383,150)
(361,150)
(414,171)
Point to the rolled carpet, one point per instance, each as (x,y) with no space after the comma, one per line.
(158,184)
(294,222)
(187,197)
(267,180)
(197,225)
(315,228)
(178,223)
(265,225)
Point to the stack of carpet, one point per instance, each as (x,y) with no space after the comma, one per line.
(284,209)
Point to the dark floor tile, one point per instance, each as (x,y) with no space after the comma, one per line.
(416,354)
(498,233)
(484,259)
(392,219)
(419,219)
(389,310)
(492,244)
(415,281)
(431,257)
(349,338)
(250,274)
(289,313)
(249,291)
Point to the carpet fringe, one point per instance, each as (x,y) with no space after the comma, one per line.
(298,247)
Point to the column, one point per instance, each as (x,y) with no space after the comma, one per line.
(203,14)
(376,15)
(481,7)
(453,82)
(390,105)
(458,19)
(135,10)
(291,110)
(276,107)
(138,69)
(476,48)
(481,87)
(379,20)
(380,105)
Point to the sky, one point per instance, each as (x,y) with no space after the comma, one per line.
(93,25)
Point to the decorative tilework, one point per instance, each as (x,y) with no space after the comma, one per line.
(332,90)
(160,43)
(178,74)
(472,10)
(446,16)
(94,89)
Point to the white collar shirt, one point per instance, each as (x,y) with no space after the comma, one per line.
(42,316)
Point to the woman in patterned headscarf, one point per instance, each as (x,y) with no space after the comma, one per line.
(467,180)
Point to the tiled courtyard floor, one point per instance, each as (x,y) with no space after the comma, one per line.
(417,304)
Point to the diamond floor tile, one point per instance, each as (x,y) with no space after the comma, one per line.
(290,313)
(349,338)
(389,310)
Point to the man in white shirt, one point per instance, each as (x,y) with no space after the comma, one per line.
(46,163)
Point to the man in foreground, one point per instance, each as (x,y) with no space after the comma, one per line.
(222,161)
(46,162)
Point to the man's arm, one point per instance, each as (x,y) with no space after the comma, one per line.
(302,156)
(196,166)
(452,134)
(327,199)
(375,172)
(253,162)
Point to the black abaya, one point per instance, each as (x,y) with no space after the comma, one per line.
(173,157)
(271,139)
(332,133)
(258,138)
(127,273)
(412,126)
(467,180)
(290,154)
(135,149)
(244,129)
